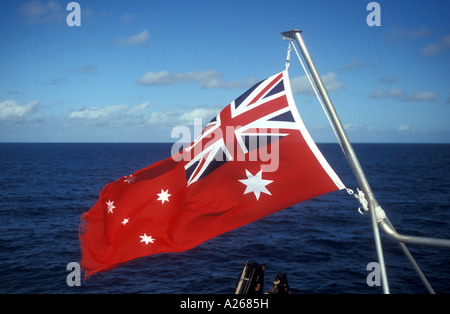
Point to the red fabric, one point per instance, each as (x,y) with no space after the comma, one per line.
(168,211)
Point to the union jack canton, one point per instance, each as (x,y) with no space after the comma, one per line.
(260,116)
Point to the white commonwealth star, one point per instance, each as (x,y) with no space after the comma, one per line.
(163,196)
(256,184)
(145,238)
(111,206)
(129,179)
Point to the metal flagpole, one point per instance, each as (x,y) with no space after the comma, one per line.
(347,147)
(377,214)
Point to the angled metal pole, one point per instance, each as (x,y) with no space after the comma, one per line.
(383,222)
(380,218)
(348,149)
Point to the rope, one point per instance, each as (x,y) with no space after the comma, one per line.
(360,197)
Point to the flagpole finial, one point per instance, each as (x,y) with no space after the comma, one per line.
(289,35)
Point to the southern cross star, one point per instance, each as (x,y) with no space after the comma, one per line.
(163,196)
(111,206)
(129,179)
(255,184)
(147,239)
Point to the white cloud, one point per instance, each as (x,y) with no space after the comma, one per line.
(95,113)
(56,81)
(204,113)
(301,84)
(206,79)
(354,64)
(118,116)
(135,40)
(127,18)
(392,93)
(89,69)
(396,92)
(331,82)
(354,127)
(423,96)
(404,127)
(396,33)
(159,117)
(139,108)
(436,48)
(160,78)
(140,116)
(386,79)
(183,116)
(11,110)
(39,12)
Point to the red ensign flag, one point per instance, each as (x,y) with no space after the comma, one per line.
(253,159)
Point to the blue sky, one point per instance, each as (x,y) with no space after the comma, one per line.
(134,70)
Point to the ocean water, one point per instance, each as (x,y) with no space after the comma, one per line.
(323,245)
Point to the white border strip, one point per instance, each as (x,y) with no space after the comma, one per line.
(312,145)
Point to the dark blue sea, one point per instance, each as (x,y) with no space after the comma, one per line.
(323,245)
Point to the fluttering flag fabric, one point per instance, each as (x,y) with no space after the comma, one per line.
(254,158)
